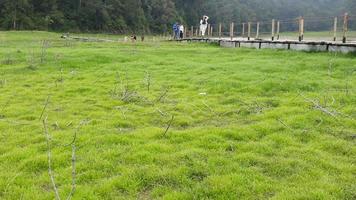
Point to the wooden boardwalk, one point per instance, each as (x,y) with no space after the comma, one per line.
(307,45)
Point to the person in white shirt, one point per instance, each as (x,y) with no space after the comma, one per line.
(181,31)
(203,25)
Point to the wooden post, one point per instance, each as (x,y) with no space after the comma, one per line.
(212,31)
(249,31)
(345,27)
(185,32)
(335,28)
(15,18)
(278,29)
(273,28)
(220,30)
(191,31)
(232,30)
(301,29)
(258,30)
(197,32)
(243,29)
(208,30)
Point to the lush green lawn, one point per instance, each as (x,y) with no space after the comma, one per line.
(248,124)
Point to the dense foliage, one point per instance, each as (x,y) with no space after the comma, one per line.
(152,15)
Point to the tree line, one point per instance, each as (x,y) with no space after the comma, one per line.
(153,16)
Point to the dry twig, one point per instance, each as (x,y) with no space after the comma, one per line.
(163,114)
(148,81)
(206,105)
(319,107)
(284,124)
(45,106)
(49,157)
(169,126)
(73,172)
(163,95)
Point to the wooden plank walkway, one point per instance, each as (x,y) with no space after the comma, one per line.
(308,45)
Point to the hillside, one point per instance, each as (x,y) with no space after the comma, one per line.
(124,16)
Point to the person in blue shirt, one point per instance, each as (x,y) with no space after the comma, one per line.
(176,30)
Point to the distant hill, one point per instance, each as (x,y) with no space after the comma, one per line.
(148,16)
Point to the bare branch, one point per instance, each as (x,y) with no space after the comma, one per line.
(49,157)
(73,144)
(123,110)
(163,114)
(44,107)
(76,132)
(169,126)
(318,106)
(148,81)
(163,95)
(206,105)
(74,173)
(69,124)
(284,124)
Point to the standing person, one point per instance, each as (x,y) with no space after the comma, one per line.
(181,32)
(203,25)
(175,28)
(178,31)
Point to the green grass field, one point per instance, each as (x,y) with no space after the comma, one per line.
(247,124)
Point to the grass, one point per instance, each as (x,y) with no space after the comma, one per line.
(241,130)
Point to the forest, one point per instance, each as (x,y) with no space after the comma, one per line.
(153,16)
